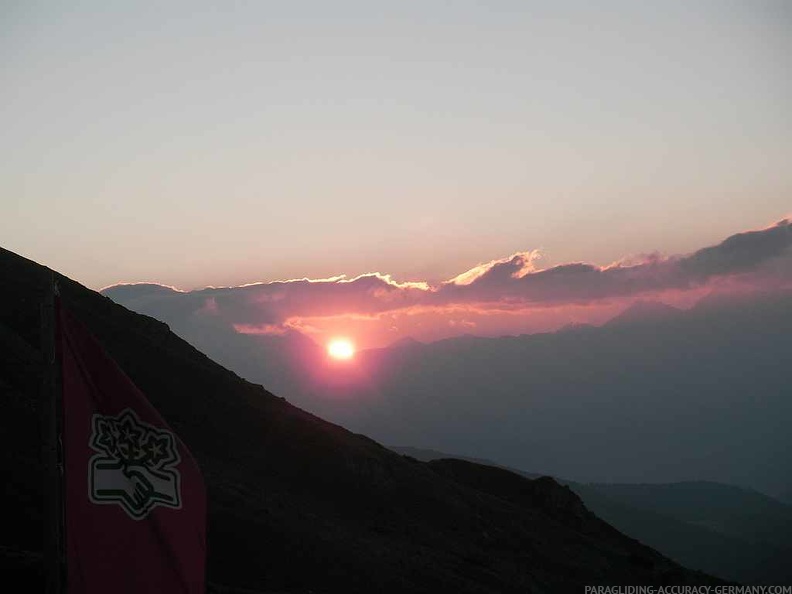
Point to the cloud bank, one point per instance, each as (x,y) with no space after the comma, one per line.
(475,299)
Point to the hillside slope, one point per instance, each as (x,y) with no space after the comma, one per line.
(727,531)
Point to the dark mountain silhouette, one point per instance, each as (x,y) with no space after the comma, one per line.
(763,525)
(425,455)
(297,504)
(724,508)
(575,327)
(406,342)
(701,394)
(724,530)
(644,312)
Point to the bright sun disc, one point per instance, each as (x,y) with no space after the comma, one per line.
(341,348)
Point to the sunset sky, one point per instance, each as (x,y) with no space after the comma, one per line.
(196,144)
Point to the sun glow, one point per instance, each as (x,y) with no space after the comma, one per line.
(341,349)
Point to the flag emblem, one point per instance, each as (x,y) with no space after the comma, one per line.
(134,498)
(135,465)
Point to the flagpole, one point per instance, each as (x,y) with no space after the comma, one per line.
(48,416)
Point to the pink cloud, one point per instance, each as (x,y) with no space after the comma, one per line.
(491,297)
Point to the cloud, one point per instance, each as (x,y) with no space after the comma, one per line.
(512,280)
(740,253)
(515,266)
(761,257)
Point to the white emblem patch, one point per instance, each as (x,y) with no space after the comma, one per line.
(135,465)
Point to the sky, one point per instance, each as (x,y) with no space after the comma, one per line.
(196,144)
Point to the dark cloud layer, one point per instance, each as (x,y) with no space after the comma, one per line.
(750,257)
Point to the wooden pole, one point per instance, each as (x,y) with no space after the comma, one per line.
(48,415)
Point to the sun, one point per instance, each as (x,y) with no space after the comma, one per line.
(341,349)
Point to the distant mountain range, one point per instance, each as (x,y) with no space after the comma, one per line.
(655,395)
(297,504)
(728,531)
(644,312)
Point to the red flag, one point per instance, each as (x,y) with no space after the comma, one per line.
(134,497)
